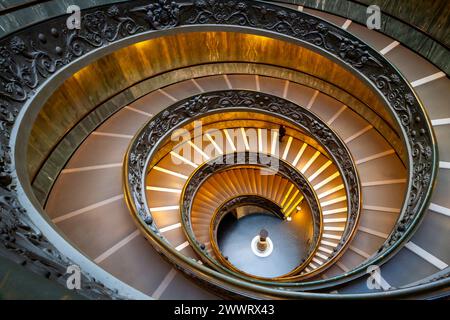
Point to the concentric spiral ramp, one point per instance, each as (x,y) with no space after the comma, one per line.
(316,167)
(87,205)
(87,189)
(427,253)
(235,182)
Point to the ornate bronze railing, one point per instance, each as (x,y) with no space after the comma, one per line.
(254,160)
(32,58)
(154,135)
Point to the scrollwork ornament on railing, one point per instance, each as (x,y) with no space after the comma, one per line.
(30,57)
(21,66)
(259,160)
(419,138)
(156,132)
(25,61)
(100,28)
(164,14)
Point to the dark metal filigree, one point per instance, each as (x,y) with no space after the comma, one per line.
(155,133)
(161,15)
(30,57)
(233,160)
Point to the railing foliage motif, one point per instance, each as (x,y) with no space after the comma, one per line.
(30,57)
(157,132)
(258,160)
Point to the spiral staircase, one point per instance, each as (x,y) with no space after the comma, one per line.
(138,147)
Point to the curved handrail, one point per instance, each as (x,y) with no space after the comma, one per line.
(29,58)
(368,64)
(234,160)
(153,135)
(355,5)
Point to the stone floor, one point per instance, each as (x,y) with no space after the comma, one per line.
(235,238)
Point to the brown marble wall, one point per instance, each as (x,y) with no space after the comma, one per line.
(111,74)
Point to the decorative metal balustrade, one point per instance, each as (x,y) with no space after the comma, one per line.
(31,57)
(158,130)
(256,160)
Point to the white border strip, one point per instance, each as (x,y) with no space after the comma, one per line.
(389,47)
(342,266)
(312,100)
(199,87)
(337,114)
(360,252)
(383,209)
(359,133)
(426,256)
(164,284)
(172,173)
(138,111)
(373,232)
(227,81)
(167,208)
(286,88)
(444,165)
(116,247)
(182,246)
(86,209)
(114,135)
(89,168)
(161,189)
(439,209)
(171,227)
(440,122)
(382,182)
(375,156)
(167,95)
(430,78)
(346,24)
